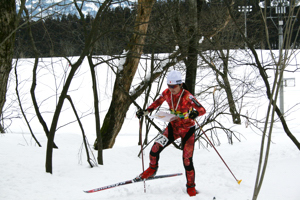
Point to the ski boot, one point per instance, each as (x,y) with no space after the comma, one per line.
(191,190)
(150,172)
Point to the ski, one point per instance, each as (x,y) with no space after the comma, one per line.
(135,180)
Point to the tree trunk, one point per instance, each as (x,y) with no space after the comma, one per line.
(225,84)
(236,118)
(191,61)
(120,102)
(63,95)
(8,18)
(34,79)
(55,118)
(97,115)
(1,129)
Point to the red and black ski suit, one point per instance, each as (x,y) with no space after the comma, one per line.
(184,127)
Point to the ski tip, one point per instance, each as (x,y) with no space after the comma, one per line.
(239,181)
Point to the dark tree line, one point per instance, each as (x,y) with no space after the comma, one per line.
(63,35)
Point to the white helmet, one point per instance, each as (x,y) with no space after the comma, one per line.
(174,78)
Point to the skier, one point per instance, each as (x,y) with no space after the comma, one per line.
(185,106)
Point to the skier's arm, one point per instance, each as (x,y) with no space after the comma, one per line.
(156,103)
(196,105)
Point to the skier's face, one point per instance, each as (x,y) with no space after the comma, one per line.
(174,89)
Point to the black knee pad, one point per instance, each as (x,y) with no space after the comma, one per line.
(189,167)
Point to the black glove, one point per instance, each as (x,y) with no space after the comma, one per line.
(140,113)
(193,114)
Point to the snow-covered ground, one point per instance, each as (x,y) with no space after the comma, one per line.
(23,170)
(22,162)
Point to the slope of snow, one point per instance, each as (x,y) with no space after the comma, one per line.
(22,162)
(23,170)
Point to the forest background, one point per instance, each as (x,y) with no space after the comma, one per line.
(62,34)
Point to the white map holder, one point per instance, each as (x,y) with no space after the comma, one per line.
(165,117)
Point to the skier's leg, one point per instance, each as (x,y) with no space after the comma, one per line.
(155,152)
(188,143)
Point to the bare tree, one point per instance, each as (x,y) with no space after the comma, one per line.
(89,40)
(96,107)
(208,15)
(21,108)
(281,62)
(195,7)
(8,23)
(9,19)
(283,59)
(120,103)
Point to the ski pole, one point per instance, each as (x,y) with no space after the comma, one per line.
(238,181)
(141,142)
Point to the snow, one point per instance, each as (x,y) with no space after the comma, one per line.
(23,173)
(22,162)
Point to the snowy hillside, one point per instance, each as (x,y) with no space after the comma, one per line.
(23,173)
(22,162)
